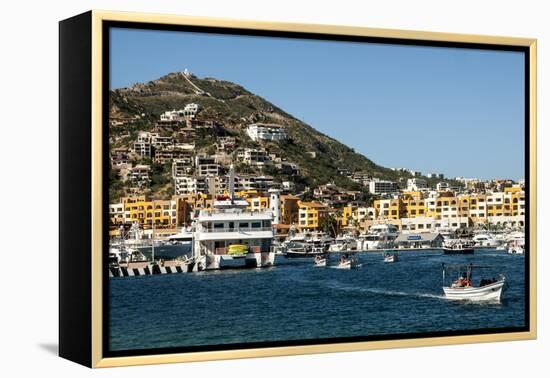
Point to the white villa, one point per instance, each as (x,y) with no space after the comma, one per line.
(188,112)
(260,131)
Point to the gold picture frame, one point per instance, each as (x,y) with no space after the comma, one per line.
(91,24)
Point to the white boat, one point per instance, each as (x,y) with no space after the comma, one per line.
(486,240)
(390,257)
(458,247)
(463,288)
(515,235)
(121,252)
(230,226)
(123,256)
(348,262)
(310,243)
(380,236)
(490,292)
(516,244)
(320,261)
(343,243)
(516,249)
(184,237)
(339,245)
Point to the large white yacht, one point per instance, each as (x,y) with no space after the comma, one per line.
(344,243)
(231,236)
(515,243)
(486,239)
(380,236)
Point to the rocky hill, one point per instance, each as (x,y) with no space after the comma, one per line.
(318,156)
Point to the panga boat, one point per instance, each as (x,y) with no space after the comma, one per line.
(458,248)
(463,288)
(320,261)
(516,247)
(390,257)
(347,262)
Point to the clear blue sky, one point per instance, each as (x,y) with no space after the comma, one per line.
(455,111)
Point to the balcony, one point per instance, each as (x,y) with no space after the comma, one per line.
(236,229)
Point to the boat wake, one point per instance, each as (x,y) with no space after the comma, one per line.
(338,286)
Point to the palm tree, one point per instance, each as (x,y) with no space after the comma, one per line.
(329,224)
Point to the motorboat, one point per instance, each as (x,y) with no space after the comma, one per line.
(343,243)
(320,261)
(485,240)
(516,248)
(185,237)
(458,247)
(301,250)
(462,286)
(380,236)
(390,257)
(348,262)
(516,244)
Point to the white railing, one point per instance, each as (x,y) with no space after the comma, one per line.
(210,213)
(235,229)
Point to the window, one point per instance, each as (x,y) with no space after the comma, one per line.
(256,224)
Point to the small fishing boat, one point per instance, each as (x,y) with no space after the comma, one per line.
(391,257)
(463,288)
(516,247)
(348,262)
(320,261)
(458,248)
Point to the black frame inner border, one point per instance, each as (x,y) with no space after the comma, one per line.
(105,72)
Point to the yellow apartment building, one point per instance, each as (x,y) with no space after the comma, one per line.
(197,201)
(347,216)
(311,214)
(257,202)
(389,208)
(477,207)
(413,205)
(289,209)
(145,212)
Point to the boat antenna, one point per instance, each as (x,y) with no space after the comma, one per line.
(153,241)
(232,183)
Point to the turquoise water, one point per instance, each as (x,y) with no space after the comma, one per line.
(298,301)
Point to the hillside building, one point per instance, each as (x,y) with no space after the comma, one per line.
(383,187)
(266,132)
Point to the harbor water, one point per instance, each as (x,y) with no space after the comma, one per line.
(298,301)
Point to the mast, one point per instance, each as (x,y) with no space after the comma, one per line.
(153,242)
(232,183)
